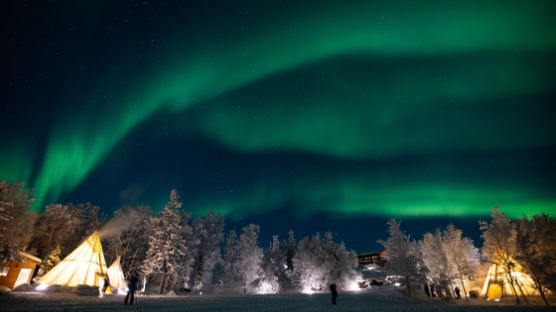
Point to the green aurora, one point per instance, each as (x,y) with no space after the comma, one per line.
(363,81)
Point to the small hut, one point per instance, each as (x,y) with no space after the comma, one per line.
(16,273)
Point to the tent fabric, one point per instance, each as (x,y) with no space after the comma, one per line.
(497,283)
(83,266)
(116,277)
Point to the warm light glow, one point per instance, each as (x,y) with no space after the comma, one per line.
(353,286)
(42,287)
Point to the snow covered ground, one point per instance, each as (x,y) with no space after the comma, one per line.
(367,301)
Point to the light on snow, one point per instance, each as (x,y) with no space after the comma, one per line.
(42,287)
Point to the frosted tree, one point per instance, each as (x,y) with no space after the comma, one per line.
(16,223)
(404,256)
(250,256)
(66,225)
(52,260)
(499,245)
(274,266)
(132,229)
(167,255)
(536,251)
(232,275)
(461,253)
(319,262)
(192,244)
(291,249)
(209,230)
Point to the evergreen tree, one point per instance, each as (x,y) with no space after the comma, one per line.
(404,257)
(167,254)
(250,256)
(232,274)
(209,230)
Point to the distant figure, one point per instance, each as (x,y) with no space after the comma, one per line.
(333,292)
(433,294)
(105,286)
(458,293)
(427,290)
(132,286)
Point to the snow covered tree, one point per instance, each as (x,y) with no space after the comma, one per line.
(167,255)
(462,254)
(53,260)
(274,266)
(232,275)
(291,249)
(66,225)
(404,258)
(16,223)
(499,245)
(130,239)
(536,250)
(449,257)
(250,256)
(319,262)
(209,230)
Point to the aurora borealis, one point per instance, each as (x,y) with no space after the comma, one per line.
(367,108)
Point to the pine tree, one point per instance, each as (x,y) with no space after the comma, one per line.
(209,230)
(232,275)
(291,249)
(250,256)
(404,256)
(167,250)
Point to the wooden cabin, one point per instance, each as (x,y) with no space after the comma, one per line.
(16,273)
(378,258)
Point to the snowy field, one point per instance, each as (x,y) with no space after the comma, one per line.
(27,301)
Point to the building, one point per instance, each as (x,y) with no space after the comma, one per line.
(378,258)
(16,273)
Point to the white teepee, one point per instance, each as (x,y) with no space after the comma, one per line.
(116,277)
(83,266)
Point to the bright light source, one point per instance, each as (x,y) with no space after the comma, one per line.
(42,287)
(267,288)
(353,286)
(397,284)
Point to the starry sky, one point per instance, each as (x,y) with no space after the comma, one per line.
(311,115)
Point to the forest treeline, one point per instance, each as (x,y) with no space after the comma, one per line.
(177,252)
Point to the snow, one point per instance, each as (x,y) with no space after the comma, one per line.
(383,299)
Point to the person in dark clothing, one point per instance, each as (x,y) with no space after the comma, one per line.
(334,292)
(458,293)
(106,284)
(132,286)
(427,290)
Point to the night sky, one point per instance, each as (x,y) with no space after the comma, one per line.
(311,115)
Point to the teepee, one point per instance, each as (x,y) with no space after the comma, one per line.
(497,283)
(83,266)
(116,277)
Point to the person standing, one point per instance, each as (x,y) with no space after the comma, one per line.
(132,286)
(333,292)
(458,293)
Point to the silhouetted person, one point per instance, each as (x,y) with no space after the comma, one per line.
(132,286)
(432,291)
(458,293)
(106,284)
(333,292)
(427,290)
